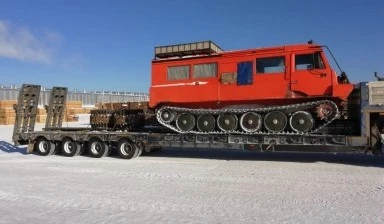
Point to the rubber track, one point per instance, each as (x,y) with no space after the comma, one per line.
(297,107)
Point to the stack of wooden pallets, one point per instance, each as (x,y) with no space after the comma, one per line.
(7,113)
(73,108)
(41,115)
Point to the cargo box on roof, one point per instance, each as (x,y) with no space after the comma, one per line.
(180,50)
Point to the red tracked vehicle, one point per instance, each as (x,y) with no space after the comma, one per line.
(199,88)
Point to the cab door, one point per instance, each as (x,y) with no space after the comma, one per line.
(309,74)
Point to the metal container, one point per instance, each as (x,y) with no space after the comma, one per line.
(376,93)
(180,50)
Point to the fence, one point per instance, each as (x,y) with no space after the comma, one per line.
(89,99)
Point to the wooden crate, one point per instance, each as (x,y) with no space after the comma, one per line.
(73,111)
(7,103)
(7,112)
(41,111)
(70,111)
(83,111)
(71,118)
(108,106)
(99,105)
(88,109)
(74,104)
(7,120)
(41,118)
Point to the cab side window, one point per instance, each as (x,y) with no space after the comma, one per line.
(309,61)
(205,70)
(270,65)
(178,72)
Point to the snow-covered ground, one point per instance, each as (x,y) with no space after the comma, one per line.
(189,186)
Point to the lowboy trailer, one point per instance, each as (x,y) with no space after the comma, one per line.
(73,141)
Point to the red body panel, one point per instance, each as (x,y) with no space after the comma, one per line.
(291,85)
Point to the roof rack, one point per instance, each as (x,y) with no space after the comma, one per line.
(188,49)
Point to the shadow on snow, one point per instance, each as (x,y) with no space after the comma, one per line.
(9,148)
(357,159)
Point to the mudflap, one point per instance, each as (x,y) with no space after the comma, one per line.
(30,148)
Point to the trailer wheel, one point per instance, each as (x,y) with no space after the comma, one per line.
(70,147)
(45,147)
(127,149)
(139,151)
(97,148)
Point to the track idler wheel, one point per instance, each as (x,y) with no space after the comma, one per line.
(206,123)
(301,121)
(166,115)
(275,121)
(227,122)
(185,122)
(250,122)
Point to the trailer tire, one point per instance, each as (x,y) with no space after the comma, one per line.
(127,149)
(70,147)
(139,151)
(97,148)
(45,147)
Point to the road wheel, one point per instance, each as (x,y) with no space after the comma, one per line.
(227,122)
(185,122)
(301,121)
(70,147)
(97,148)
(127,149)
(275,121)
(250,122)
(44,147)
(206,123)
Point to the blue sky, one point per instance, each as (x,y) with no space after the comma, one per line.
(109,45)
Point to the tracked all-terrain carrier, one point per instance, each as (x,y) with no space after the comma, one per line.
(199,88)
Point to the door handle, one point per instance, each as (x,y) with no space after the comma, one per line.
(295,82)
